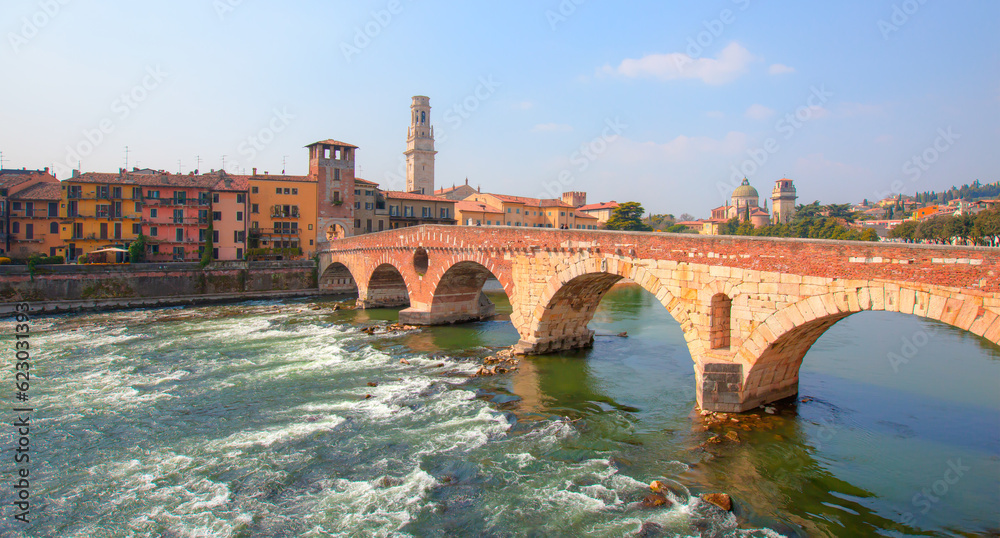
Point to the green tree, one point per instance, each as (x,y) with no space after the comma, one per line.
(137,250)
(628,217)
(206,254)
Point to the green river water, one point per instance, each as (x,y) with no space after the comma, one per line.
(257,419)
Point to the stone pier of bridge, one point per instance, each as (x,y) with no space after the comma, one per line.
(749,308)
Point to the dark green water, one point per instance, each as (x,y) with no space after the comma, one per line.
(257,420)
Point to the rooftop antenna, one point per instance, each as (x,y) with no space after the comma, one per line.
(198,168)
(126,158)
(283,164)
(223,162)
(1,160)
(179,167)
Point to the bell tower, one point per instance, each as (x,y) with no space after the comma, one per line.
(420,148)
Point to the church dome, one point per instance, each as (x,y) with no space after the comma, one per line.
(745,190)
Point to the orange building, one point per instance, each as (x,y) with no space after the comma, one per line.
(283,213)
(99,211)
(29,214)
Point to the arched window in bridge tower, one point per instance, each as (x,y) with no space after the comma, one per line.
(722,309)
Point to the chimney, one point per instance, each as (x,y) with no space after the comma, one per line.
(46,169)
(255,170)
(76,173)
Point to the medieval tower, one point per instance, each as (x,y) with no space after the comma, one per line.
(783,201)
(420,148)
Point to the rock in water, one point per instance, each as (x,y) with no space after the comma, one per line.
(654,500)
(372,383)
(657,486)
(721,500)
(649,530)
(733,436)
(404,361)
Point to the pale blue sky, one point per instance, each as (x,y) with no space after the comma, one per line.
(533,83)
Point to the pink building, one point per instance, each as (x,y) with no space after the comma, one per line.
(229,217)
(176,214)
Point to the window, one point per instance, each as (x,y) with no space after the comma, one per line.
(180,197)
(381,223)
(215,197)
(178,216)
(310,226)
(72,210)
(253,190)
(78,230)
(116,192)
(295,190)
(136,228)
(103,211)
(518,211)
(136,193)
(562,213)
(102,191)
(153,231)
(215,236)
(53,227)
(217,215)
(357,192)
(152,212)
(239,254)
(138,207)
(153,194)
(239,216)
(202,216)
(336,174)
(287,190)
(408,211)
(368,193)
(240,198)
(368,225)
(179,253)
(277,190)
(508,210)
(357,205)
(394,211)
(118,230)
(357,223)
(215,254)
(444,212)
(53,209)
(179,234)
(425,212)
(336,196)
(74,191)
(369,205)
(255,208)
(29,231)
(104,230)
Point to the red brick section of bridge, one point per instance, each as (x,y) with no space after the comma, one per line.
(749,308)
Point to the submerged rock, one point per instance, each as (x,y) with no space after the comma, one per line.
(656,499)
(373,383)
(722,500)
(649,530)
(404,361)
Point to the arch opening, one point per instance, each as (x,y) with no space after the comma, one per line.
(337,278)
(420,261)
(386,289)
(562,323)
(458,297)
(721,328)
(335,231)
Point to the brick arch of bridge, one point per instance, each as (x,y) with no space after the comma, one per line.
(385,285)
(339,277)
(772,355)
(451,290)
(571,297)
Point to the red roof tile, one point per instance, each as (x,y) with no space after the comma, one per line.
(581,215)
(332,142)
(476,207)
(605,205)
(365,182)
(400,195)
(40,191)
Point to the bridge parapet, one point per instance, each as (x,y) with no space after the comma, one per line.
(755,304)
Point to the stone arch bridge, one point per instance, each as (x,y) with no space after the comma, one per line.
(749,307)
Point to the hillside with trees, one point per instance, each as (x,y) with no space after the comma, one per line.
(812,221)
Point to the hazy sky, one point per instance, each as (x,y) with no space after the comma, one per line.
(660,102)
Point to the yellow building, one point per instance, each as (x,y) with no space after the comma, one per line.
(283,213)
(536,212)
(99,211)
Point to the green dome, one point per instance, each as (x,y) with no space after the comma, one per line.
(745,190)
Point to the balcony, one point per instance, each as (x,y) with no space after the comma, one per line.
(274,231)
(280,214)
(187,202)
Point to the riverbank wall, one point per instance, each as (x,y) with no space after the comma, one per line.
(59,288)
